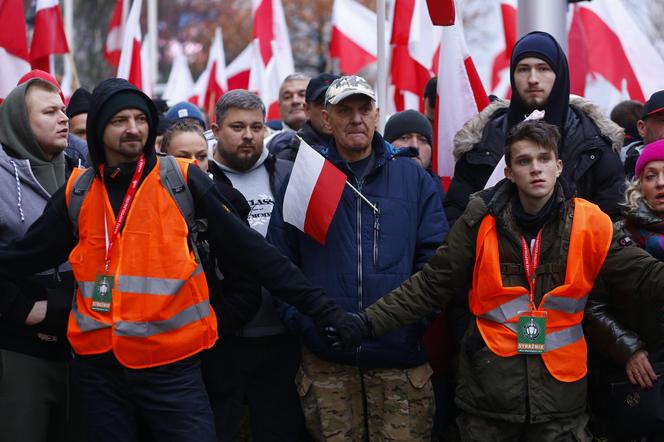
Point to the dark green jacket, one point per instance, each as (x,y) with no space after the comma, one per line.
(518,388)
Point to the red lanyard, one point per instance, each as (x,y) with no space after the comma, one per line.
(530,263)
(124,208)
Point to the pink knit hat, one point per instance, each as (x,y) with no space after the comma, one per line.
(652,152)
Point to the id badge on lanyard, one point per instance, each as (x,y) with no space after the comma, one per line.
(531,332)
(102,295)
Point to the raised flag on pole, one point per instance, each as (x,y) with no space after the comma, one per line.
(115,35)
(500,69)
(238,70)
(216,83)
(180,84)
(354,42)
(14,57)
(49,37)
(313,193)
(146,76)
(130,59)
(460,96)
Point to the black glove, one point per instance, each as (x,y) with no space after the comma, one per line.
(349,330)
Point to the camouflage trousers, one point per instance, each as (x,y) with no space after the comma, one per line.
(348,403)
(475,428)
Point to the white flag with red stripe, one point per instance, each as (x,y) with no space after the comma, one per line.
(13,45)
(313,193)
(610,57)
(500,69)
(415,45)
(238,70)
(115,35)
(460,95)
(130,59)
(354,42)
(180,84)
(276,56)
(48,37)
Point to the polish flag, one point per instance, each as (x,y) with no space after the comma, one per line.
(415,45)
(461,96)
(442,12)
(180,84)
(49,36)
(238,70)
(500,70)
(115,35)
(14,57)
(313,193)
(610,58)
(130,58)
(354,41)
(214,76)
(275,60)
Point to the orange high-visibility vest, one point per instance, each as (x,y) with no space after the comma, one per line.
(160,310)
(496,308)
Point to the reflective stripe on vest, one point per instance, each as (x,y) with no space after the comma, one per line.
(160,310)
(497,307)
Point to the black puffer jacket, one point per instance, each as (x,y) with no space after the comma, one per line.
(591,166)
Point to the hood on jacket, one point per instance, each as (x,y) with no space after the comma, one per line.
(18,139)
(543,46)
(108,98)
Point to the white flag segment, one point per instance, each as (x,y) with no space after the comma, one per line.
(14,57)
(424,38)
(146,78)
(354,40)
(130,58)
(115,35)
(313,193)
(461,95)
(180,84)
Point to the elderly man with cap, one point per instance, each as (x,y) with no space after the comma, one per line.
(313,131)
(141,313)
(589,145)
(650,128)
(379,390)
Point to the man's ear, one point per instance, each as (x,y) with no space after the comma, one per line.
(215,128)
(559,167)
(641,127)
(326,116)
(508,173)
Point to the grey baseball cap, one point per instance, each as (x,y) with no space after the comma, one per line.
(344,87)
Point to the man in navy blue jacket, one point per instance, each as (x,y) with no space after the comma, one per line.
(381,388)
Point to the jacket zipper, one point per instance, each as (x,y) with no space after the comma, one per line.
(358,206)
(376,235)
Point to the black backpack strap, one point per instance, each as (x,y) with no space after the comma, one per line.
(77,196)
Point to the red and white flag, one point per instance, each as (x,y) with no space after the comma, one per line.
(213,79)
(415,45)
(238,70)
(180,84)
(460,96)
(130,59)
(610,58)
(500,70)
(49,37)
(115,35)
(354,42)
(276,56)
(313,193)
(14,57)
(146,74)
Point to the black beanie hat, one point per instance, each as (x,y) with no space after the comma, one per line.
(126,99)
(79,103)
(408,121)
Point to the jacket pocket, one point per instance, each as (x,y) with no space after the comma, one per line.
(419,376)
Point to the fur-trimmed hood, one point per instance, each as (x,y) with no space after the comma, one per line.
(471,132)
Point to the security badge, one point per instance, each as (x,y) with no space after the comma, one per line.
(531,332)
(103,293)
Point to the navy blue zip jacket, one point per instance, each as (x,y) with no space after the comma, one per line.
(367,254)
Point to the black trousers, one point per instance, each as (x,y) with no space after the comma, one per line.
(258,373)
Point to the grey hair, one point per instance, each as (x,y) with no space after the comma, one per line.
(296,77)
(633,194)
(237,99)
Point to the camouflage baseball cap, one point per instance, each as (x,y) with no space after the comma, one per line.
(344,87)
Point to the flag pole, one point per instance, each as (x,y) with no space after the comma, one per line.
(381,80)
(375,209)
(544,15)
(153,31)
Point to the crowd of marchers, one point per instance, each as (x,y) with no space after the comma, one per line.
(151,289)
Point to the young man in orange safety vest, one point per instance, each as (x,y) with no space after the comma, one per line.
(527,257)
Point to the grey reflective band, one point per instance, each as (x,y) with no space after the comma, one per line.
(153,286)
(507,310)
(86,323)
(563,337)
(563,304)
(87,288)
(147,329)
